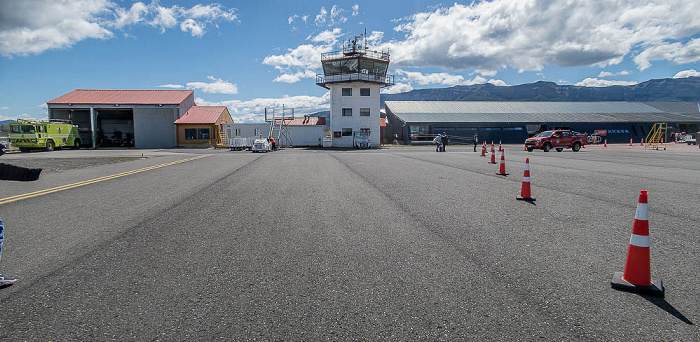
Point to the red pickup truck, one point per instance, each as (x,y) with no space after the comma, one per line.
(558,139)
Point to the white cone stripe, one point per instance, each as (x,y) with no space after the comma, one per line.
(642,212)
(527,166)
(526,179)
(639,240)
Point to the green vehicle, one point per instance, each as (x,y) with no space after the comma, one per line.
(46,135)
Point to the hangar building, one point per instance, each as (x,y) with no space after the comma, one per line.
(512,122)
(135,118)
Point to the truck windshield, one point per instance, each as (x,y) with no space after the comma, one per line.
(545,134)
(22,129)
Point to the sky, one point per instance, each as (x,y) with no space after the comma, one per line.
(249,55)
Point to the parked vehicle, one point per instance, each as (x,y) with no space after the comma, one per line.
(47,135)
(239,144)
(557,139)
(691,139)
(261,145)
(360,139)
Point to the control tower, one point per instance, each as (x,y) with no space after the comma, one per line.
(354,76)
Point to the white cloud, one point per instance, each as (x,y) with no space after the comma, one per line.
(171,86)
(328,37)
(195,28)
(321,17)
(611,74)
(443,78)
(291,19)
(218,86)
(133,16)
(527,35)
(254,110)
(34,26)
(498,83)
(4,108)
(397,88)
(304,18)
(355,10)
(687,73)
(678,53)
(595,82)
(295,77)
(375,38)
(25,116)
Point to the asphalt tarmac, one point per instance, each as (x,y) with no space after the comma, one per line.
(392,244)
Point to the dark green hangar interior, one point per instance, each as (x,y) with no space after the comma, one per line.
(415,122)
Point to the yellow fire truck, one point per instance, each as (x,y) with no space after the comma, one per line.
(47,135)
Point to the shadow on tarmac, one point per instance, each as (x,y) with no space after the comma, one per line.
(666,306)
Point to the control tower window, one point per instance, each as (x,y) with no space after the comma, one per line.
(347,91)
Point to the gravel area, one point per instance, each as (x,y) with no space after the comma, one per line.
(52,165)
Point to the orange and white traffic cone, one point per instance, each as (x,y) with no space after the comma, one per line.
(606,143)
(524,147)
(642,142)
(637,274)
(493,155)
(676,139)
(630,141)
(525,190)
(483,150)
(502,168)
(500,146)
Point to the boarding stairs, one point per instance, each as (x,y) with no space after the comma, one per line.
(656,137)
(278,126)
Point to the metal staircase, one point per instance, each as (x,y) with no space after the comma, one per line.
(278,126)
(656,137)
(222,139)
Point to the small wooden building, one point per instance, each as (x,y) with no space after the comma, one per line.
(201,125)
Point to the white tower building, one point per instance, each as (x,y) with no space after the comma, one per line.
(354,77)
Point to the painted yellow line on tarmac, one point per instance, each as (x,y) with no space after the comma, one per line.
(94,180)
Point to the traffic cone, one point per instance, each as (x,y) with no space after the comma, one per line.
(502,168)
(663,143)
(524,147)
(500,146)
(606,143)
(525,190)
(637,274)
(483,150)
(630,141)
(493,156)
(676,139)
(642,142)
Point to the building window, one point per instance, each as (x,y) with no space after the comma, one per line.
(203,133)
(364,91)
(190,133)
(196,133)
(347,91)
(238,132)
(347,111)
(364,111)
(347,132)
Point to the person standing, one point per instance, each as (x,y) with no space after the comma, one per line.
(437,141)
(444,140)
(476,140)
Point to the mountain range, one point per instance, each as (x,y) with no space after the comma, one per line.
(661,90)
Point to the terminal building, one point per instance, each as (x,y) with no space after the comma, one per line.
(416,122)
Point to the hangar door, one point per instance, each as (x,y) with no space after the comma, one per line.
(115,128)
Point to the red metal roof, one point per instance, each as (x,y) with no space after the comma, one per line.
(124,97)
(202,115)
(305,121)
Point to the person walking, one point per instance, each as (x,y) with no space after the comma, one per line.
(444,139)
(437,141)
(476,140)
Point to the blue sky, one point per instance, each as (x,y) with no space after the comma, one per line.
(249,55)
